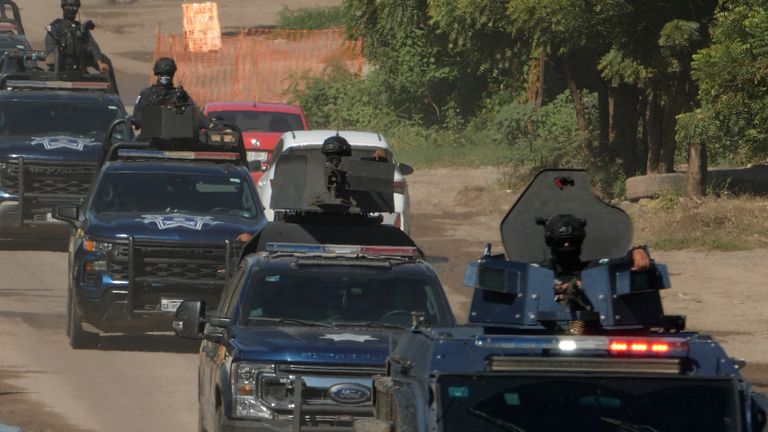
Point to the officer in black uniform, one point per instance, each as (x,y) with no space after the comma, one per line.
(73,43)
(162,92)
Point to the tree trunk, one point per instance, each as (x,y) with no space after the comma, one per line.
(578,105)
(604,109)
(654,129)
(623,128)
(697,169)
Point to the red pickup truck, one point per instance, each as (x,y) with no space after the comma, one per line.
(262,125)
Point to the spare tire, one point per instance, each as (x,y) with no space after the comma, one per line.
(650,186)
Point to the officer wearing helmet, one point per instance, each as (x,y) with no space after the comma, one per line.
(564,235)
(162,92)
(70,45)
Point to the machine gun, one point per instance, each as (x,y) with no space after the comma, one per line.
(330,181)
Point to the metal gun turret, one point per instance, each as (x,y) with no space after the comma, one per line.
(575,277)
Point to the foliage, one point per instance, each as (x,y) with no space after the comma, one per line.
(733,84)
(311,18)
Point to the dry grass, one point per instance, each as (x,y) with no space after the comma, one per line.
(672,223)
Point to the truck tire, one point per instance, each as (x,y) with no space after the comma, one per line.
(650,186)
(78,338)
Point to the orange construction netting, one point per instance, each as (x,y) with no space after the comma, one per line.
(257,64)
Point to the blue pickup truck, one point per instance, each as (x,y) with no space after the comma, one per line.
(51,133)
(317,303)
(160,226)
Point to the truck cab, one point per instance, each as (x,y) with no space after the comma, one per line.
(603,358)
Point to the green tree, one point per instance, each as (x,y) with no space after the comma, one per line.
(732,76)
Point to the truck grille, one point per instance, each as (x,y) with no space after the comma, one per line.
(278,391)
(176,272)
(48,179)
(191,264)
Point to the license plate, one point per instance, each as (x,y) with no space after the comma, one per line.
(169,305)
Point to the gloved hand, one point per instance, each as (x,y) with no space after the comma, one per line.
(89,25)
(181,95)
(103,67)
(640,259)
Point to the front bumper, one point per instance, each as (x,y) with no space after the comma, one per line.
(277,426)
(41,225)
(11,215)
(113,310)
(252,425)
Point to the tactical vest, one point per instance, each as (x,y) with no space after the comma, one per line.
(73,45)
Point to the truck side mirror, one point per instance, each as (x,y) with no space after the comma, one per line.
(67,213)
(405,169)
(189,320)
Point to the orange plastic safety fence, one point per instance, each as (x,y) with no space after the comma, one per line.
(258,64)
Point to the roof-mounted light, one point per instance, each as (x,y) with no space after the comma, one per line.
(661,346)
(65,85)
(182,155)
(400,251)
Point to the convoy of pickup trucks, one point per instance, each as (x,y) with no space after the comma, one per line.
(286,253)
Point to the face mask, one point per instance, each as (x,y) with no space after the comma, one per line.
(70,13)
(164,79)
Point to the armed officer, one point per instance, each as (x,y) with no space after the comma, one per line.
(70,45)
(162,92)
(564,234)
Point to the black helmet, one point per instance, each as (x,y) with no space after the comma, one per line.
(565,232)
(336,146)
(70,3)
(165,66)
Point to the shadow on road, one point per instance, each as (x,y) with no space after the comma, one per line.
(148,343)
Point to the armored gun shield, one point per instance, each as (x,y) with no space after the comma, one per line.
(563,191)
(301,184)
(160,122)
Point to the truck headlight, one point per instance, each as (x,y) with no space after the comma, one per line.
(97,246)
(245,383)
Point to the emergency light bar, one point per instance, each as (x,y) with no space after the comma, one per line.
(67,85)
(401,251)
(182,155)
(618,346)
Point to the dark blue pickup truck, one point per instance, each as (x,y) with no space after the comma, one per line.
(316,305)
(51,134)
(302,329)
(159,227)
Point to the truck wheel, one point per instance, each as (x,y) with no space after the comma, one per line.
(79,338)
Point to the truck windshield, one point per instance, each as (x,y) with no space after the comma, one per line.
(46,118)
(343,295)
(173,192)
(261,121)
(595,404)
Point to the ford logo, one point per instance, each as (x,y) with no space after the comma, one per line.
(349,393)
